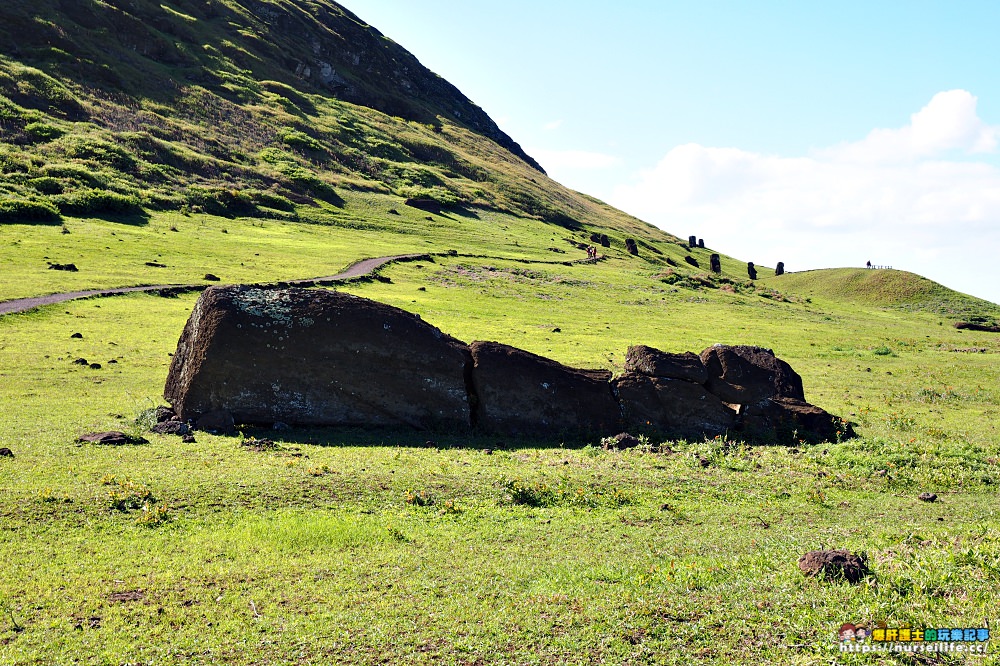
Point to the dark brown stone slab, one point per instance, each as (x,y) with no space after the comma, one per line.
(749,375)
(316,357)
(672,407)
(526,395)
(655,363)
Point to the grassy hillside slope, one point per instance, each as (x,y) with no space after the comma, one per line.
(269,139)
(883,288)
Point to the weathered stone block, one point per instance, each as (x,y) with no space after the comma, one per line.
(522,394)
(316,357)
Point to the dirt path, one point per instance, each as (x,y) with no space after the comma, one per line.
(355,270)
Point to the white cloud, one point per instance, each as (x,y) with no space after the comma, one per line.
(561,160)
(949,122)
(891,198)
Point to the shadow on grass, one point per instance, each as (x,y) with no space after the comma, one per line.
(372,437)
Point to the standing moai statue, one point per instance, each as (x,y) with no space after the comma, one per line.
(751,271)
(701,242)
(716,263)
(605,241)
(692,241)
(780,268)
(631,246)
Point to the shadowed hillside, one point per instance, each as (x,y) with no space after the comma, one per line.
(242,107)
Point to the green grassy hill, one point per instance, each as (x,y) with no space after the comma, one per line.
(883,288)
(153,142)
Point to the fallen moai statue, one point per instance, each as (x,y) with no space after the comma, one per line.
(325,358)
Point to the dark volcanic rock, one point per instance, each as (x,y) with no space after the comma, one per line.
(631,246)
(788,420)
(520,393)
(6,453)
(171,428)
(218,420)
(605,241)
(749,375)
(111,438)
(834,565)
(692,261)
(622,440)
(316,357)
(63,267)
(164,414)
(927,497)
(655,363)
(672,407)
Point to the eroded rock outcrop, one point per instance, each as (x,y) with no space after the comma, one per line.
(315,357)
(520,393)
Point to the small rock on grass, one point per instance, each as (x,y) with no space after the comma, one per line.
(111,438)
(834,565)
(927,497)
(171,428)
(6,453)
(622,440)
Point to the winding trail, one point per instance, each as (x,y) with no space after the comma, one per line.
(363,268)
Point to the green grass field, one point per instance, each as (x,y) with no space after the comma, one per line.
(339,546)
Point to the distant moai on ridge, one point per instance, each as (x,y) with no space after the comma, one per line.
(692,241)
(701,242)
(631,246)
(716,264)
(751,271)
(780,268)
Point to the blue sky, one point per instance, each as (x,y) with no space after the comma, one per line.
(818,134)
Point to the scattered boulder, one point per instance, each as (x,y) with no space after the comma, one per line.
(77,336)
(749,375)
(621,441)
(316,357)
(63,267)
(751,271)
(672,407)
(81,361)
(188,438)
(716,263)
(631,246)
(6,453)
(211,277)
(178,428)
(155,264)
(834,565)
(519,393)
(780,268)
(652,362)
(162,414)
(111,438)
(218,420)
(692,261)
(927,497)
(95,366)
